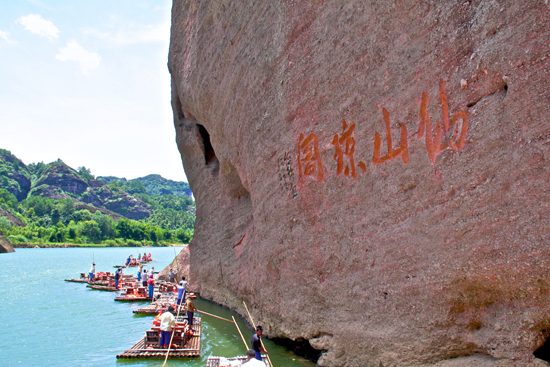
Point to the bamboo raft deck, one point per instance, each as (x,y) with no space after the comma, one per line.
(159,305)
(132,298)
(77,280)
(102,288)
(144,349)
(215,361)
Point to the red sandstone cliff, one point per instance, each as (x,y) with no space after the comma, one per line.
(371,176)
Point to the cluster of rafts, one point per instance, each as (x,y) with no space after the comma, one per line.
(186,339)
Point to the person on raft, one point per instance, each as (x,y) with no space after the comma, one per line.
(172,275)
(251,361)
(182,290)
(257,343)
(167,321)
(190,310)
(128,260)
(145,278)
(118,276)
(140,269)
(151,283)
(92,272)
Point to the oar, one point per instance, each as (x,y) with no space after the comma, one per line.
(253,324)
(241,334)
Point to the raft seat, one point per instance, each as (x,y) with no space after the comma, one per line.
(151,338)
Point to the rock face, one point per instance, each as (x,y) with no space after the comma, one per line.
(371,176)
(14,175)
(5,245)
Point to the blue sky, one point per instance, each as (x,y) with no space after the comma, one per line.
(86,81)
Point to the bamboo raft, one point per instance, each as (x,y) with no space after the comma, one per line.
(215,361)
(159,305)
(77,280)
(145,347)
(101,282)
(102,288)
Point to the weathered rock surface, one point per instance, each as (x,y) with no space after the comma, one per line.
(5,245)
(181,265)
(433,248)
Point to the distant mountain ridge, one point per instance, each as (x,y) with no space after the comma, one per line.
(57,180)
(155,185)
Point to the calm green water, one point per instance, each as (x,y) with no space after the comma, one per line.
(46,321)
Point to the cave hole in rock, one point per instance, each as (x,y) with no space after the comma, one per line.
(209,154)
(301,347)
(543,352)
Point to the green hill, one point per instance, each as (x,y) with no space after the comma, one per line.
(154,185)
(55,202)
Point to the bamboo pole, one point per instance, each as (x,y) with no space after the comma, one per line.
(241,334)
(209,314)
(254,325)
(177,266)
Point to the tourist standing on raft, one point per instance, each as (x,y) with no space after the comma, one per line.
(251,361)
(167,321)
(92,272)
(190,310)
(151,283)
(145,278)
(140,269)
(257,343)
(118,275)
(172,275)
(182,290)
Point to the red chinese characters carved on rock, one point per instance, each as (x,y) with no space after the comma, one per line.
(348,142)
(450,133)
(438,144)
(403,149)
(309,157)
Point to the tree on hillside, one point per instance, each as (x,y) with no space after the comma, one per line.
(85,174)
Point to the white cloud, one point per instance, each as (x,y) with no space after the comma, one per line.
(74,52)
(40,26)
(4,35)
(133,34)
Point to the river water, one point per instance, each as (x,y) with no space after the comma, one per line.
(46,321)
